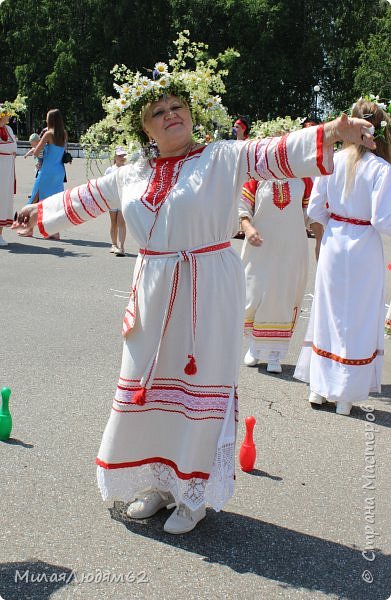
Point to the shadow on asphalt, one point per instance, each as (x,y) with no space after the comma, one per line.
(16,442)
(32,580)
(54,250)
(93,244)
(291,558)
(259,473)
(382,417)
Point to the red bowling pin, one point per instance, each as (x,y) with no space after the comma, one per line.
(248,451)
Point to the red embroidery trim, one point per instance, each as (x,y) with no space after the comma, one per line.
(281,155)
(179,412)
(177,388)
(41,228)
(84,206)
(319,150)
(281,195)
(148,461)
(274,176)
(345,361)
(69,209)
(93,197)
(136,381)
(101,195)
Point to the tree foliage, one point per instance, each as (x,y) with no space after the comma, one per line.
(59,54)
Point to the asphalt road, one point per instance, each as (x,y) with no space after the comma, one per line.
(297,527)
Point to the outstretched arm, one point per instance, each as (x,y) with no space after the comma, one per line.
(304,153)
(72,207)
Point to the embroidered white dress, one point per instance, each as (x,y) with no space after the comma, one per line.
(342,355)
(172,424)
(7,178)
(276,272)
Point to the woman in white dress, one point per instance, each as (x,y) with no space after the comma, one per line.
(275,258)
(7,172)
(170,437)
(342,355)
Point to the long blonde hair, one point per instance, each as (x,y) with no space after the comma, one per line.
(374,114)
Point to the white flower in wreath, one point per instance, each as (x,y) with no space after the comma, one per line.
(137,92)
(145,83)
(210,103)
(216,101)
(161,68)
(163,82)
(123,103)
(382,105)
(125,88)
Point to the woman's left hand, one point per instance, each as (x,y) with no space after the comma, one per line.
(350,129)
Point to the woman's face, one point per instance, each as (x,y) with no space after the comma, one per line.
(4,120)
(168,122)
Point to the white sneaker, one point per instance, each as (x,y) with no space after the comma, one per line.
(183,519)
(113,249)
(249,360)
(273,366)
(315,398)
(148,504)
(3,242)
(343,408)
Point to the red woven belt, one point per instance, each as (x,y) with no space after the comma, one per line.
(211,248)
(346,220)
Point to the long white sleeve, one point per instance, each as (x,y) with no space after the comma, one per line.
(317,211)
(78,205)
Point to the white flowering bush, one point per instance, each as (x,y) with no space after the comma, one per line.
(278,126)
(12,109)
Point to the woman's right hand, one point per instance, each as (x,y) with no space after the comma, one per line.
(26,221)
(252,235)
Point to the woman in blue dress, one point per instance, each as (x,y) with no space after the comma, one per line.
(50,178)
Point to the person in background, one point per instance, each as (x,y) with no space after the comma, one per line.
(50,178)
(7,172)
(342,354)
(273,217)
(241,129)
(117,223)
(34,141)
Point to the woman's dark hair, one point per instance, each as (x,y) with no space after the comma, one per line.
(245,122)
(56,126)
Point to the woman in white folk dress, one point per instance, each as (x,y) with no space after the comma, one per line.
(171,432)
(275,258)
(342,355)
(7,173)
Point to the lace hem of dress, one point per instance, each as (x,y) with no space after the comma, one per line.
(123,484)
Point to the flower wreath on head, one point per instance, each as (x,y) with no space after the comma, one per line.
(200,87)
(379,132)
(278,126)
(12,109)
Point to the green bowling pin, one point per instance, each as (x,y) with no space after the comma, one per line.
(5,415)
